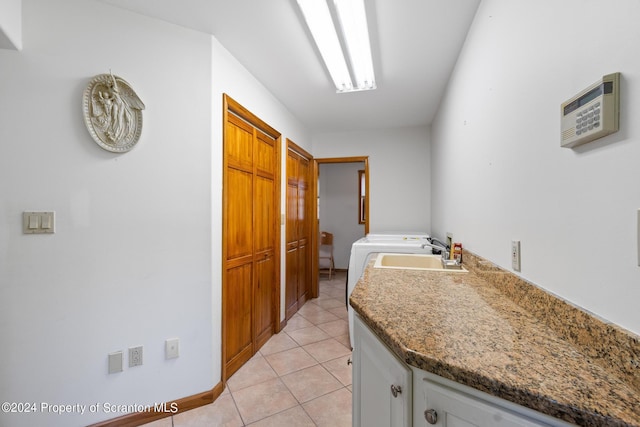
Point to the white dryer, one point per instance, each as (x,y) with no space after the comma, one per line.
(373,243)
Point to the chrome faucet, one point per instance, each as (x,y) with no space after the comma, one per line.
(446,262)
(439,246)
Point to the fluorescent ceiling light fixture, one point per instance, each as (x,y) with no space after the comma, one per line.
(353,22)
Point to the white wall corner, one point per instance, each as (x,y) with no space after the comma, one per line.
(11,24)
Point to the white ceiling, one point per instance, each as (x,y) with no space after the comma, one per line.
(415,45)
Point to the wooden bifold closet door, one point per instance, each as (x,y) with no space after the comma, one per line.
(299,217)
(251,229)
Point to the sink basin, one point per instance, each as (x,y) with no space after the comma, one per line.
(415,262)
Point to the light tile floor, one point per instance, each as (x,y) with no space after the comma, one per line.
(299,378)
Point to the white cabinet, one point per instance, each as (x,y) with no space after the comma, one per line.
(387,392)
(382,384)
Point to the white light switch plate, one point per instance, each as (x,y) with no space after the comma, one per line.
(115,362)
(172,348)
(38,222)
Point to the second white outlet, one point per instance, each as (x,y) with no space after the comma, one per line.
(135,356)
(515,255)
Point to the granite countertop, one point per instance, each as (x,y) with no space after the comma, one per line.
(491,330)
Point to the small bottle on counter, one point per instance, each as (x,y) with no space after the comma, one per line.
(457,252)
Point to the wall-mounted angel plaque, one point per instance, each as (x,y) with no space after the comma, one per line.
(112,113)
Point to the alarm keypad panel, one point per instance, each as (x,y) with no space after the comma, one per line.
(591,114)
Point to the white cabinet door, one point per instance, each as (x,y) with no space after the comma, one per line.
(453,408)
(382,384)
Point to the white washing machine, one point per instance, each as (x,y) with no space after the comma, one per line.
(373,243)
(397,235)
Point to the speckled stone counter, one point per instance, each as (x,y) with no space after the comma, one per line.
(490,330)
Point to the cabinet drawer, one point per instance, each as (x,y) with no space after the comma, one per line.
(458,409)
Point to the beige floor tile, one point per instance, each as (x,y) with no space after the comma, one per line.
(263,400)
(308,309)
(340,369)
(321,297)
(289,361)
(344,340)
(336,293)
(339,277)
(278,343)
(335,328)
(328,303)
(331,410)
(255,371)
(294,417)
(340,312)
(309,383)
(318,317)
(308,335)
(296,322)
(222,412)
(326,350)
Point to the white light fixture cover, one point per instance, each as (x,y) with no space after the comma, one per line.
(318,17)
(353,21)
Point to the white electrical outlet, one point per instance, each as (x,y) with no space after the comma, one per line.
(515,255)
(135,356)
(172,348)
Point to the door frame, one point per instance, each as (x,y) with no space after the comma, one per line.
(316,226)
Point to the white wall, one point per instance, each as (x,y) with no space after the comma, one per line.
(399,178)
(497,141)
(339,207)
(130,263)
(136,255)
